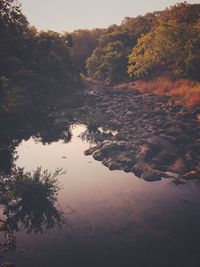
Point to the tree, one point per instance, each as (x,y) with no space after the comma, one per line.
(109,63)
(139,25)
(180,13)
(169,48)
(14,27)
(35,67)
(83,44)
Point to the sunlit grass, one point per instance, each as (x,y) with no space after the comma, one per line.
(184,91)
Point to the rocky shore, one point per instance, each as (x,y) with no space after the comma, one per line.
(155,137)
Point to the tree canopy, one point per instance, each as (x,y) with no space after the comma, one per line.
(35,67)
(159,43)
(83,42)
(44,65)
(171,47)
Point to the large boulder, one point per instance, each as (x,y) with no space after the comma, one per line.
(191,175)
(98,155)
(161,142)
(140,167)
(151,175)
(178,166)
(164,158)
(112,164)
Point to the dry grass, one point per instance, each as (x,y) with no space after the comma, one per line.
(183,91)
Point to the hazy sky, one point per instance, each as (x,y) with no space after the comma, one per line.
(68,15)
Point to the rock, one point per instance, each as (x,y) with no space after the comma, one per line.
(148,151)
(164,158)
(162,142)
(178,181)
(151,175)
(126,158)
(178,167)
(111,164)
(171,174)
(97,155)
(176,108)
(130,113)
(112,147)
(90,151)
(153,135)
(191,175)
(128,169)
(122,135)
(140,167)
(180,139)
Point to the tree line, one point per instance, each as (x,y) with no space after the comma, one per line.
(38,68)
(159,43)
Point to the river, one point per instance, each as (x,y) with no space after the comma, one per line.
(113,217)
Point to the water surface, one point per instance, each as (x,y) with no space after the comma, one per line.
(115,218)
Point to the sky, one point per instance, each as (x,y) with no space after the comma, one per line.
(70,15)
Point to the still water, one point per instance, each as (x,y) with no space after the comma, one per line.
(114,218)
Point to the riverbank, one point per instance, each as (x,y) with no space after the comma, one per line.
(184,91)
(155,137)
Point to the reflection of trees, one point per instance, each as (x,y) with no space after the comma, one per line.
(95,136)
(28,202)
(56,133)
(98,127)
(42,126)
(90,136)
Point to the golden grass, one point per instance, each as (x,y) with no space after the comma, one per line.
(183,91)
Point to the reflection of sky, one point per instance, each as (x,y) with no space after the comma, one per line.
(88,179)
(68,15)
(113,210)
